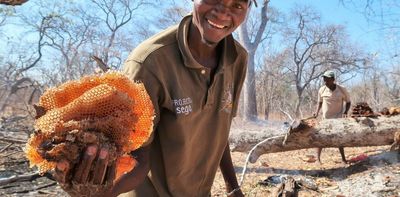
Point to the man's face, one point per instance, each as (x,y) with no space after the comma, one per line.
(216,19)
(329,81)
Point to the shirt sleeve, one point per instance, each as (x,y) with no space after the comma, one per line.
(320,94)
(346,95)
(138,72)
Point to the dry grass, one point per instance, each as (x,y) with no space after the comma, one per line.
(332,176)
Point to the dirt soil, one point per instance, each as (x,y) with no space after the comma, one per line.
(377,173)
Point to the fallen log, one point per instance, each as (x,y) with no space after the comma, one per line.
(343,132)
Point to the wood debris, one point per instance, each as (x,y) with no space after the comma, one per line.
(362,109)
(391,111)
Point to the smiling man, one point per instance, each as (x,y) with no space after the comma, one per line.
(194,73)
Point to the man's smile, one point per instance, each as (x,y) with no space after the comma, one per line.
(216,25)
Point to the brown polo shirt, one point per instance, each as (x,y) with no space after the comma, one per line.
(193,111)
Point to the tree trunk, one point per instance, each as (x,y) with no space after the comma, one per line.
(268,95)
(245,38)
(348,132)
(250,102)
(299,101)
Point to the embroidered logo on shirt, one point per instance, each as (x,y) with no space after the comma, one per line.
(183,105)
(227,100)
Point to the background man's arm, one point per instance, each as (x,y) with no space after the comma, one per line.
(346,110)
(228,172)
(317,110)
(347,100)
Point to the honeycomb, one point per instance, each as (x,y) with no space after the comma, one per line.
(98,109)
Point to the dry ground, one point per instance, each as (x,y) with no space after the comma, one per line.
(378,175)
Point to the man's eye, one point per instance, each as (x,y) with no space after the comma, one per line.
(238,6)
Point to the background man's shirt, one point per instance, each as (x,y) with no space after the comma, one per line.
(333,101)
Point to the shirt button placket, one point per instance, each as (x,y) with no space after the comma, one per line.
(207,105)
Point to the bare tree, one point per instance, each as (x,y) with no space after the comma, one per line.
(382,12)
(172,15)
(14,82)
(251,35)
(273,90)
(62,34)
(315,48)
(392,83)
(4,12)
(56,40)
(115,14)
(385,15)
(22,59)
(70,39)
(372,88)
(45,23)
(77,33)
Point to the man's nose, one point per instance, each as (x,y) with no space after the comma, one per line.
(222,7)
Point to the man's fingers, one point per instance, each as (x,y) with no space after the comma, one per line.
(83,169)
(111,172)
(101,166)
(62,171)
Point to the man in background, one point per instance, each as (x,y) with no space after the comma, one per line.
(331,98)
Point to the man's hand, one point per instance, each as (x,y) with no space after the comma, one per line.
(315,114)
(93,175)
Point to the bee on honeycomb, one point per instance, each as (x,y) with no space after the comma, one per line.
(106,110)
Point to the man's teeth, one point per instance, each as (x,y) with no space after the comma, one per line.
(216,25)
